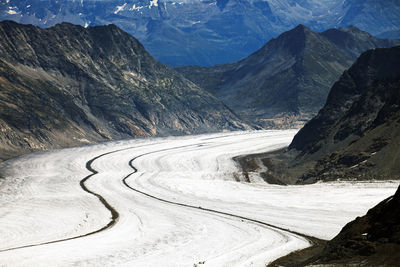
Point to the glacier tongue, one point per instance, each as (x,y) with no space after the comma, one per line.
(177,200)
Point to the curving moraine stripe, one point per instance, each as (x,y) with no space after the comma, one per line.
(114,212)
(311,239)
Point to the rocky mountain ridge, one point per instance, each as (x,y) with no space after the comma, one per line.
(286,82)
(69,85)
(356,134)
(207,32)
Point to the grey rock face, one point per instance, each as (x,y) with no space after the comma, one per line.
(68,85)
(355,136)
(356,133)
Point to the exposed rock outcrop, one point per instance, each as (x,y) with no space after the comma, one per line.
(69,85)
(356,135)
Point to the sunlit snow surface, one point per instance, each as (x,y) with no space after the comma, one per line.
(42,201)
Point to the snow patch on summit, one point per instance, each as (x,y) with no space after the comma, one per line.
(120,8)
(134,7)
(153,3)
(12,10)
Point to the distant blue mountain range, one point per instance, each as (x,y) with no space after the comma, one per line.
(207,32)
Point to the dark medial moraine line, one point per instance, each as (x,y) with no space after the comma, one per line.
(311,239)
(114,212)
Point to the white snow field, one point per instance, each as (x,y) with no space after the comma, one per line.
(178,201)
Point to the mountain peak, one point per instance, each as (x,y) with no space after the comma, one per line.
(112,27)
(293,40)
(300,30)
(354,41)
(296,40)
(354,30)
(301,27)
(63,26)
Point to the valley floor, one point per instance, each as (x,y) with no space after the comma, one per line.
(178,201)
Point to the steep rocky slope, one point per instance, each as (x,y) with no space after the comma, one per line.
(370,240)
(286,82)
(207,32)
(68,85)
(356,135)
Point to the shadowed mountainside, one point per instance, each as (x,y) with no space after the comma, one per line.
(69,85)
(370,240)
(373,239)
(356,135)
(286,82)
